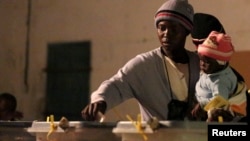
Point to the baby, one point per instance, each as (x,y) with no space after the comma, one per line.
(217,81)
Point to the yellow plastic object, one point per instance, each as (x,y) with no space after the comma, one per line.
(216,102)
(53,127)
(138,126)
(220,119)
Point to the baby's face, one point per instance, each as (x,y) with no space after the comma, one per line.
(209,65)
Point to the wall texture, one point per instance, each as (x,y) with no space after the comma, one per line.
(118,30)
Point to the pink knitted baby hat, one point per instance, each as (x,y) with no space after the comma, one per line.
(217,46)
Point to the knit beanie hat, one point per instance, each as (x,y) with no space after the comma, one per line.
(217,46)
(176,10)
(204,24)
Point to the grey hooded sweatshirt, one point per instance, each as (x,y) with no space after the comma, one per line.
(143,78)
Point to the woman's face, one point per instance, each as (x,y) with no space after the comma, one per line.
(172,35)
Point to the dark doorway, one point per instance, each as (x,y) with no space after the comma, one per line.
(68,73)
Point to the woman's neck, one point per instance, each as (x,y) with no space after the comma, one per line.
(178,56)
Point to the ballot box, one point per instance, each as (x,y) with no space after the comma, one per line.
(166,131)
(15,131)
(73,131)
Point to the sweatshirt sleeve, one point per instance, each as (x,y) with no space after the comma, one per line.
(124,84)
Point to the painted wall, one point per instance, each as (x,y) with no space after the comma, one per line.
(118,30)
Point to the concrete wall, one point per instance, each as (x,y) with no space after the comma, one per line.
(118,30)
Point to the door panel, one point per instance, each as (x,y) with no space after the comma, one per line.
(68,74)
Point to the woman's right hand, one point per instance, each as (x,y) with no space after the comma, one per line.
(93,111)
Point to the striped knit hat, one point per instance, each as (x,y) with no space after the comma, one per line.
(176,10)
(217,46)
